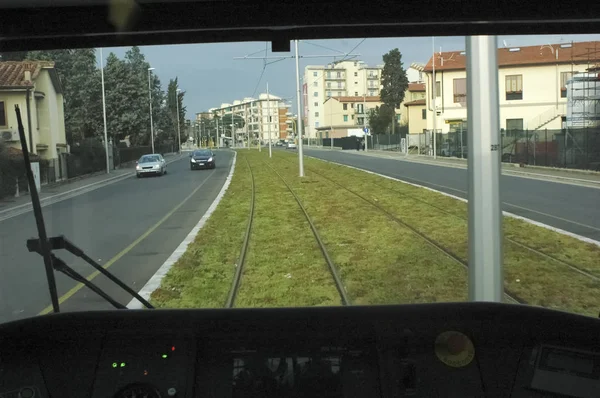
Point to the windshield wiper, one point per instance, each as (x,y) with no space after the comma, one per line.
(44,245)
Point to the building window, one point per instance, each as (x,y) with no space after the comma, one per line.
(438,89)
(514,124)
(338,75)
(355,73)
(329,93)
(339,84)
(328,84)
(514,87)
(356,93)
(345,118)
(316,124)
(316,94)
(424,114)
(316,104)
(345,106)
(564,78)
(316,114)
(360,120)
(352,105)
(356,83)
(3,121)
(371,93)
(315,74)
(316,84)
(329,75)
(460,90)
(352,117)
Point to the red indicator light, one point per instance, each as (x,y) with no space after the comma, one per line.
(173,348)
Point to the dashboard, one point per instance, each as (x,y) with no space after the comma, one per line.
(424,350)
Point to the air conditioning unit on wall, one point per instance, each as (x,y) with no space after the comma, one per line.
(9,136)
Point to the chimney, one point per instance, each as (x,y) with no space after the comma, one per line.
(27,68)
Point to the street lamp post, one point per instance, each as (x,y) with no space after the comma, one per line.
(178,128)
(299,125)
(104,113)
(150,96)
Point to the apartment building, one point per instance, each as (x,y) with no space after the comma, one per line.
(340,79)
(342,115)
(263,115)
(532,85)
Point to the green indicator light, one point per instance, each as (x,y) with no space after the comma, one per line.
(114,364)
(164,355)
(122,364)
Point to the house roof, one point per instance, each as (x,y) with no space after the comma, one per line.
(415,87)
(415,102)
(548,54)
(355,99)
(12,73)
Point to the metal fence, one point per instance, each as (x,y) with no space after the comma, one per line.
(565,148)
(84,159)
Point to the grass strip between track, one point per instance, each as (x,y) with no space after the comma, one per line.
(379,261)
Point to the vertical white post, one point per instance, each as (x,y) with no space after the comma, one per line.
(150,96)
(299,125)
(365,113)
(246,125)
(486,280)
(178,129)
(104,113)
(433,101)
(269,119)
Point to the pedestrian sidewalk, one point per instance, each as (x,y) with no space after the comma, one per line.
(51,193)
(579,177)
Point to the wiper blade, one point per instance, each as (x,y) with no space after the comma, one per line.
(60,242)
(44,246)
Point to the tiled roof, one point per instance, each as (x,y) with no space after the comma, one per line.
(416,87)
(12,73)
(581,52)
(415,102)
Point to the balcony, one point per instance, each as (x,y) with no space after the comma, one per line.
(336,77)
(372,77)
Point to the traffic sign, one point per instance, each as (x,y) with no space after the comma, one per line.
(366,130)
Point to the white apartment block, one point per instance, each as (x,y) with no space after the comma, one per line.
(262,117)
(532,85)
(340,79)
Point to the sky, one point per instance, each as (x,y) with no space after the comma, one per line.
(209,74)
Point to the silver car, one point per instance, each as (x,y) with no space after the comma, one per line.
(153,164)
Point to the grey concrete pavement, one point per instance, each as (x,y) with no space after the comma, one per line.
(572,207)
(133,224)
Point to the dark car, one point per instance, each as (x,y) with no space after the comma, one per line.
(202,159)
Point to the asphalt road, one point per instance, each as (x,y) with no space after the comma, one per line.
(135,224)
(569,207)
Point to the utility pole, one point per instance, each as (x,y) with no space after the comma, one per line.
(246,125)
(269,119)
(365,113)
(298,97)
(150,96)
(178,129)
(104,113)
(433,101)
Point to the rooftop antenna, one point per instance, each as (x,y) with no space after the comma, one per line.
(504,43)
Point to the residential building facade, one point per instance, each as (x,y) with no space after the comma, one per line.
(265,117)
(36,88)
(532,86)
(341,79)
(415,108)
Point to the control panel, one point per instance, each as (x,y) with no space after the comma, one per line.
(450,350)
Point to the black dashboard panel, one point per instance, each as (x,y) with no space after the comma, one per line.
(429,350)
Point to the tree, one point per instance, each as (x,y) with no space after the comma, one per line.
(13,56)
(172,98)
(81,83)
(394,81)
(380,118)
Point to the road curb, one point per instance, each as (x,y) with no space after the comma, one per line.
(156,279)
(506,213)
